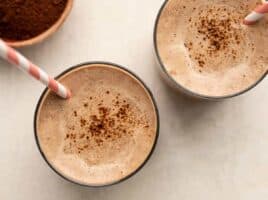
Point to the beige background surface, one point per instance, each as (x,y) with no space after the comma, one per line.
(206,151)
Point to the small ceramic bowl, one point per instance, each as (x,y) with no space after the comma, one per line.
(47,33)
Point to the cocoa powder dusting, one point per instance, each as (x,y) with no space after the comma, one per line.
(25,19)
(217,34)
(108,124)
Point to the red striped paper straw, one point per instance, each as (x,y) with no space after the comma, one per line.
(12,56)
(257,14)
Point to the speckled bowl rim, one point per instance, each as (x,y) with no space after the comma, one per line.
(154,105)
(178,85)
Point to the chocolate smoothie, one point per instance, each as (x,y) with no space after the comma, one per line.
(206,49)
(104,132)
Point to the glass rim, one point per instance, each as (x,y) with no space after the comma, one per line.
(156,132)
(184,89)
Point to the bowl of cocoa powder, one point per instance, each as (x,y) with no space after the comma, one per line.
(27,22)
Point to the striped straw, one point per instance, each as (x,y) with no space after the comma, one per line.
(257,14)
(12,56)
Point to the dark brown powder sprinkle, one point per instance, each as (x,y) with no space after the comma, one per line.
(108,123)
(82,122)
(25,19)
(217,33)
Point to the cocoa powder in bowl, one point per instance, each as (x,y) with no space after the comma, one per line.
(25,19)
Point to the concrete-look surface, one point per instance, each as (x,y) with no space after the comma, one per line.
(206,150)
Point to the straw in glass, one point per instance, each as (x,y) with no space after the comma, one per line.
(256,14)
(12,56)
